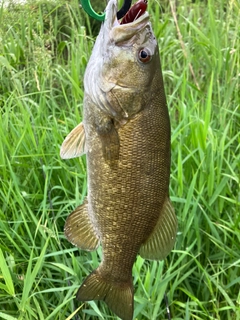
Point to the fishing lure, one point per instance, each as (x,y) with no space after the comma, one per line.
(100,17)
(135,12)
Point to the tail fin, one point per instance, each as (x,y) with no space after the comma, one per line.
(118,296)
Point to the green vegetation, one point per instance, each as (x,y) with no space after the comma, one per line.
(44,49)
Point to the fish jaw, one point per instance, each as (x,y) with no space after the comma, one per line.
(113,31)
(114,54)
(117,32)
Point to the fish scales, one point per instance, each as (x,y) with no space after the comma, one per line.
(133,192)
(125,134)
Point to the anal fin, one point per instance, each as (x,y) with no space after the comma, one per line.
(162,239)
(79,229)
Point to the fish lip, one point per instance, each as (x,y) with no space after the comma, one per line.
(121,32)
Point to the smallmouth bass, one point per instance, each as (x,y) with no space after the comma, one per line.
(125,135)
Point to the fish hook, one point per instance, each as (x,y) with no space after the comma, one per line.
(90,11)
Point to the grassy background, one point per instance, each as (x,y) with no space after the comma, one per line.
(44,49)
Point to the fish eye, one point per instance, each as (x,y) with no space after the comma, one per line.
(144,55)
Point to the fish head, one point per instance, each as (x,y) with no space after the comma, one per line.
(123,64)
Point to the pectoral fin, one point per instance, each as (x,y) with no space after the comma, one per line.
(109,139)
(74,144)
(110,146)
(162,239)
(79,229)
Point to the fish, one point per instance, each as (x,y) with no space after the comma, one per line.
(125,134)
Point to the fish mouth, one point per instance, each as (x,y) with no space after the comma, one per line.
(120,32)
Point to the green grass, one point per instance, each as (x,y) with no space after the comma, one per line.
(42,62)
